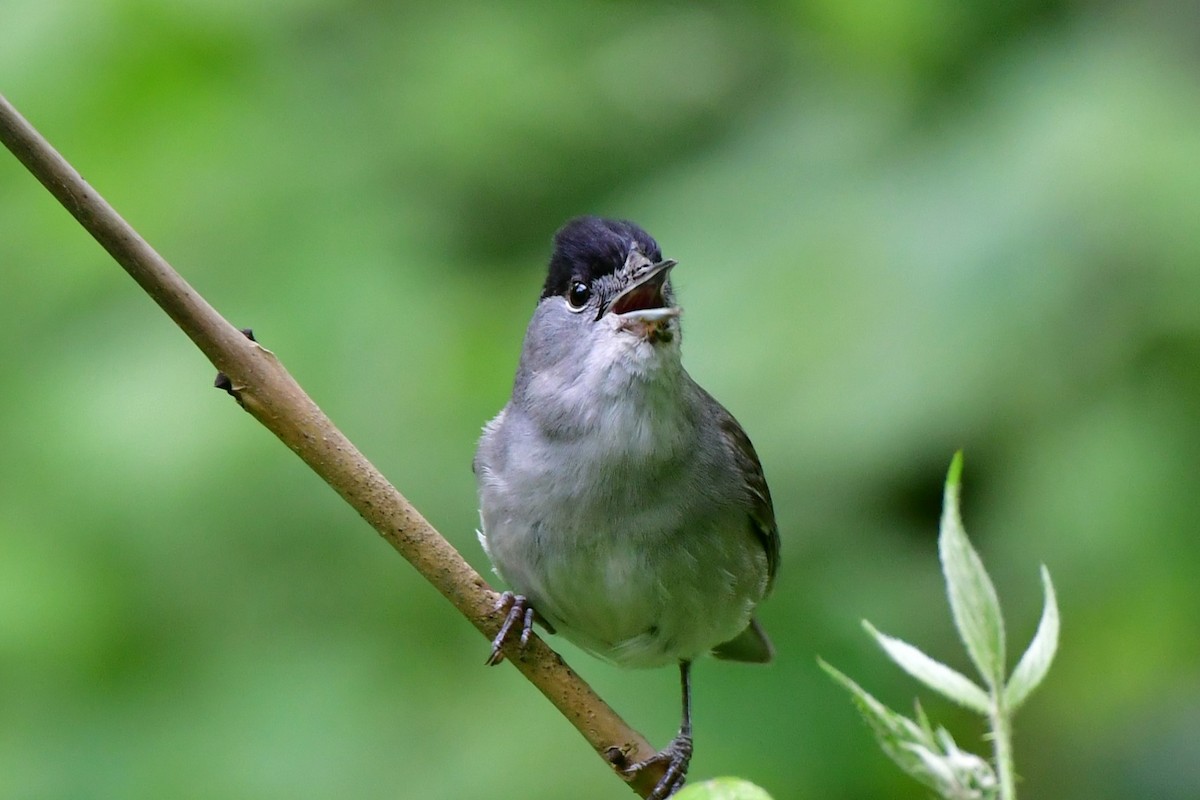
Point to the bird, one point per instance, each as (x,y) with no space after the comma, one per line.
(623,505)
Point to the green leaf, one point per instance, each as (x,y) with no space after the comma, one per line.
(930,757)
(894,732)
(1034,664)
(972,596)
(723,789)
(932,673)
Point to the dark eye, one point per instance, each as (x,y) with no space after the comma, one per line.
(578,296)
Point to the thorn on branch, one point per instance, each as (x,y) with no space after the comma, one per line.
(223,382)
(617,757)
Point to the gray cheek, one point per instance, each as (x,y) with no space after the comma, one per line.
(556,340)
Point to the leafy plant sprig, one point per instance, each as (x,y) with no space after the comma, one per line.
(930,755)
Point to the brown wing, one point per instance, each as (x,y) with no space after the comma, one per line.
(762,512)
(752,644)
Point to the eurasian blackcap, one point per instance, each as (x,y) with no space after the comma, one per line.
(623,505)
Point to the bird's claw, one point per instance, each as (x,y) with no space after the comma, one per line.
(677,755)
(520,611)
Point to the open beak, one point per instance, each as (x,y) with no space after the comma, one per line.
(644,299)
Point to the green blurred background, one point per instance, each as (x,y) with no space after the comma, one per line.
(903,228)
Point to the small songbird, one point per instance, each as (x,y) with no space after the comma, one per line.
(623,505)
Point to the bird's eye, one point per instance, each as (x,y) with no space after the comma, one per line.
(578,296)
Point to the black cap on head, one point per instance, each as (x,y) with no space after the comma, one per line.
(588,247)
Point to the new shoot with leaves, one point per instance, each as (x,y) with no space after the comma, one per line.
(931,755)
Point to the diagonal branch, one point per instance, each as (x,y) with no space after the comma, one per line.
(272,396)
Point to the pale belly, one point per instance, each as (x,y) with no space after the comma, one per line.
(654,592)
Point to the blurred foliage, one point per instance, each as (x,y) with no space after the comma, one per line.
(949,224)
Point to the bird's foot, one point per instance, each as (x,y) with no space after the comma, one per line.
(519,611)
(676,755)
